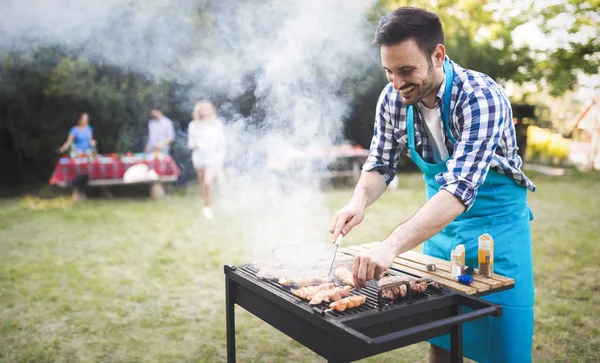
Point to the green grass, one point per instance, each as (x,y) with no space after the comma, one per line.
(132,280)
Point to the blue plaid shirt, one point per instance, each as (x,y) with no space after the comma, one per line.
(480,121)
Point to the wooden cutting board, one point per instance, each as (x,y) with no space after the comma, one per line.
(415,263)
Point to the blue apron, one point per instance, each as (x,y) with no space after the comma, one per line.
(501,210)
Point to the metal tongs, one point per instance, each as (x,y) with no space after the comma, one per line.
(337,244)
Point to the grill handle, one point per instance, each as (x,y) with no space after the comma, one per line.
(495,310)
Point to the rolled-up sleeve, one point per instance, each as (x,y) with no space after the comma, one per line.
(482,115)
(383,153)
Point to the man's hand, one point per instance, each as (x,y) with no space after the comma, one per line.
(346,218)
(370,264)
(370,187)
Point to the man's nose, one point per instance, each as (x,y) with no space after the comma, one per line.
(397,82)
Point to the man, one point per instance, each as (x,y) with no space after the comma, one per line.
(160,132)
(456,126)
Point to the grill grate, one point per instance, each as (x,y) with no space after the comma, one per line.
(371,292)
(355,333)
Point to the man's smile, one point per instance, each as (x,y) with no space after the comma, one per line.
(406,90)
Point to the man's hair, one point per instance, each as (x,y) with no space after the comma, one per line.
(408,22)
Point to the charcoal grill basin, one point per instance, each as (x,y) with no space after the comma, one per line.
(356,333)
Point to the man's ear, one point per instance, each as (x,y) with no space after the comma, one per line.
(438,56)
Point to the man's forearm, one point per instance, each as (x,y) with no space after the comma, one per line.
(434,216)
(369,188)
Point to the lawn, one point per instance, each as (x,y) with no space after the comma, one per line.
(133,280)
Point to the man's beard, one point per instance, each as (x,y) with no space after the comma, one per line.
(424,90)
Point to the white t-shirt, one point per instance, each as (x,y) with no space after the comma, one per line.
(433,127)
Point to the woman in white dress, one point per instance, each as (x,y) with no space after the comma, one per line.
(206,139)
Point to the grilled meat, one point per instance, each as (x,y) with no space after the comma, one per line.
(344,275)
(305,278)
(308,292)
(348,303)
(333,294)
(391,289)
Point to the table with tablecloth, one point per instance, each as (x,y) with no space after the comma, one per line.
(111,169)
(329,162)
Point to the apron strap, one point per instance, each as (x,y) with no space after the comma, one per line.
(447,98)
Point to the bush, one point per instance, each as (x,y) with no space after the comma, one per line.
(546,147)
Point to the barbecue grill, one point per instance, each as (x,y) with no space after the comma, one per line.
(372,328)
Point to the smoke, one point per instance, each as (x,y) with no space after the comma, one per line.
(302,55)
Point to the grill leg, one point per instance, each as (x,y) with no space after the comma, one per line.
(230,317)
(456,343)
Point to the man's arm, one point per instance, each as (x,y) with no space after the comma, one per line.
(434,216)
(369,188)
(483,116)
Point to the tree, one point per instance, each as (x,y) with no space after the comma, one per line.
(580,53)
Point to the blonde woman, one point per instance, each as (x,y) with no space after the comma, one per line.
(206,139)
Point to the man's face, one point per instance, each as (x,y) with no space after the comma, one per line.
(407,68)
(155,114)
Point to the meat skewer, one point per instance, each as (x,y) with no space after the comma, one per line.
(392,289)
(333,294)
(308,292)
(347,303)
(344,275)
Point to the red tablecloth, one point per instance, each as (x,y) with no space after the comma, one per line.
(103,167)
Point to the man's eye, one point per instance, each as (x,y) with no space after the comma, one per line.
(388,71)
(406,72)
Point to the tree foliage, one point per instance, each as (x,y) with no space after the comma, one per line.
(41,89)
(580,53)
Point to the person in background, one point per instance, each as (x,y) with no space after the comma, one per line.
(206,139)
(160,132)
(81,135)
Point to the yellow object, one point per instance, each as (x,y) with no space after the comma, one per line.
(543,143)
(481,256)
(485,255)
(36,203)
